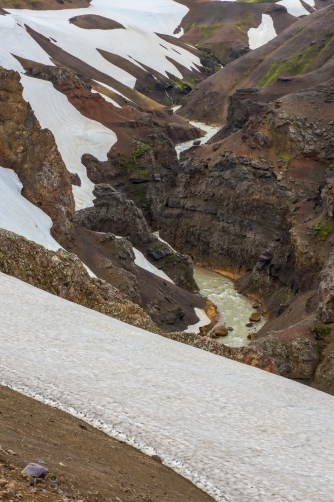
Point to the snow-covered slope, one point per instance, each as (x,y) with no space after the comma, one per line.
(15,41)
(136,42)
(74,133)
(241,434)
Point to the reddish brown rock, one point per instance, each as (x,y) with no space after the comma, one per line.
(32,153)
(255,317)
(219,331)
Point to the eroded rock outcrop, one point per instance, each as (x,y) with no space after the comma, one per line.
(63,274)
(114,212)
(112,259)
(326,292)
(32,153)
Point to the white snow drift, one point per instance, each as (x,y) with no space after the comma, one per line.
(15,41)
(263,33)
(203,320)
(239,433)
(74,133)
(295,7)
(18,215)
(142,262)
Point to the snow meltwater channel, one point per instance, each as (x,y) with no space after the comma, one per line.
(210,131)
(239,433)
(234,309)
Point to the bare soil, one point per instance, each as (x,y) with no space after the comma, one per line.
(84,463)
(44,4)
(93,22)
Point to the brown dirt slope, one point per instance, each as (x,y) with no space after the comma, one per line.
(94,22)
(304,47)
(84,463)
(44,4)
(222,27)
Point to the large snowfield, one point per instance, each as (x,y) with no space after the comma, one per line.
(239,433)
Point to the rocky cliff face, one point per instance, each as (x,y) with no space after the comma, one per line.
(114,212)
(259,199)
(32,153)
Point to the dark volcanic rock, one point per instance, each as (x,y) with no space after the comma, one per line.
(114,212)
(326,292)
(112,259)
(262,201)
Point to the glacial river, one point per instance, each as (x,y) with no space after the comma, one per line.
(234,309)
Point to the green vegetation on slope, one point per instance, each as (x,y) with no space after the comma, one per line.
(295,65)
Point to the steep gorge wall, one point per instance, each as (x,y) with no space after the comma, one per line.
(261,198)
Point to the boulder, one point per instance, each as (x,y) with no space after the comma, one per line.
(255,317)
(35,471)
(219,331)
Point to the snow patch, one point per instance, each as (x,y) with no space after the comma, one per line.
(263,33)
(209,130)
(74,133)
(142,262)
(14,39)
(18,215)
(203,320)
(137,43)
(295,7)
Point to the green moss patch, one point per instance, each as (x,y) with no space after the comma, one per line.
(320,330)
(323,229)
